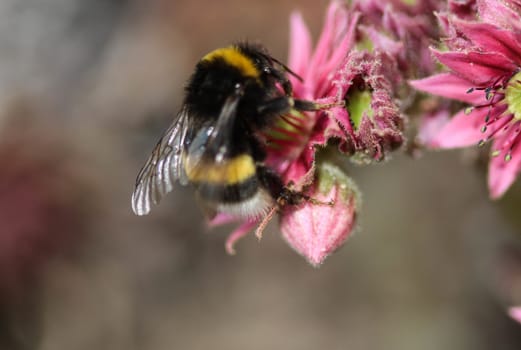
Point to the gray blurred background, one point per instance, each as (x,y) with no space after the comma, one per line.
(87,87)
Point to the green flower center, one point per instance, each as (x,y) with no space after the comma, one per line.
(513,96)
(409,2)
(358,102)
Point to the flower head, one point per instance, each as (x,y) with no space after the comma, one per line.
(484,71)
(293,155)
(370,124)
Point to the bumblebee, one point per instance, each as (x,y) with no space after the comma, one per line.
(213,144)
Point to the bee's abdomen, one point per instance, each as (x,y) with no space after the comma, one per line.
(231,186)
(224,193)
(230,180)
(227,172)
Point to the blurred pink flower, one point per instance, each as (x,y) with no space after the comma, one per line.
(41,202)
(484,72)
(403,30)
(515,313)
(502,13)
(431,124)
(465,9)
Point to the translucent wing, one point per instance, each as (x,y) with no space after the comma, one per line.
(220,140)
(214,142)
(162,168)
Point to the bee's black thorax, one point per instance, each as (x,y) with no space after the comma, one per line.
(216,77)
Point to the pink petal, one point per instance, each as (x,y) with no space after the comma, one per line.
(501,174)
(326,128)
(300,171)
(336,40)
(222,219)
(463,130)
(503,13)
(329,31)
(431,125)
(451,86)
(480,68)
(342,118)
(490,38)
(237,234)
(515,313)
(342,47)
(300,44)
(382,41)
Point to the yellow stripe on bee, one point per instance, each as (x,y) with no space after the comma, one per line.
(235,58)
(230,172)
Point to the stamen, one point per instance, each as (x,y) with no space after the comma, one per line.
(284,133)
(297,126)
(489,94)
(503,125)
(515,139)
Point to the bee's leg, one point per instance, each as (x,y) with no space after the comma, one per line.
(283,80)
(272,182)
(281,193)
(304,105)
(265,221)
(278,105)
(284,195)
(284,104)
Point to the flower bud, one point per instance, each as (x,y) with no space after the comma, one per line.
(322,224)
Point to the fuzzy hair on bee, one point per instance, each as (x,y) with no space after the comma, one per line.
(234,93)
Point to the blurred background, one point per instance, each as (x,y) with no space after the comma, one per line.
(87,87)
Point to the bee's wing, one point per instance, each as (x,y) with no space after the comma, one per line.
(162,168)
(220,141)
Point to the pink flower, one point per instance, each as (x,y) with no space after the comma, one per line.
(358,88)
(370,126)
(322,81)
(485,65)
(293,142)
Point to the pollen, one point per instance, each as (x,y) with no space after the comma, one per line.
(513,96)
